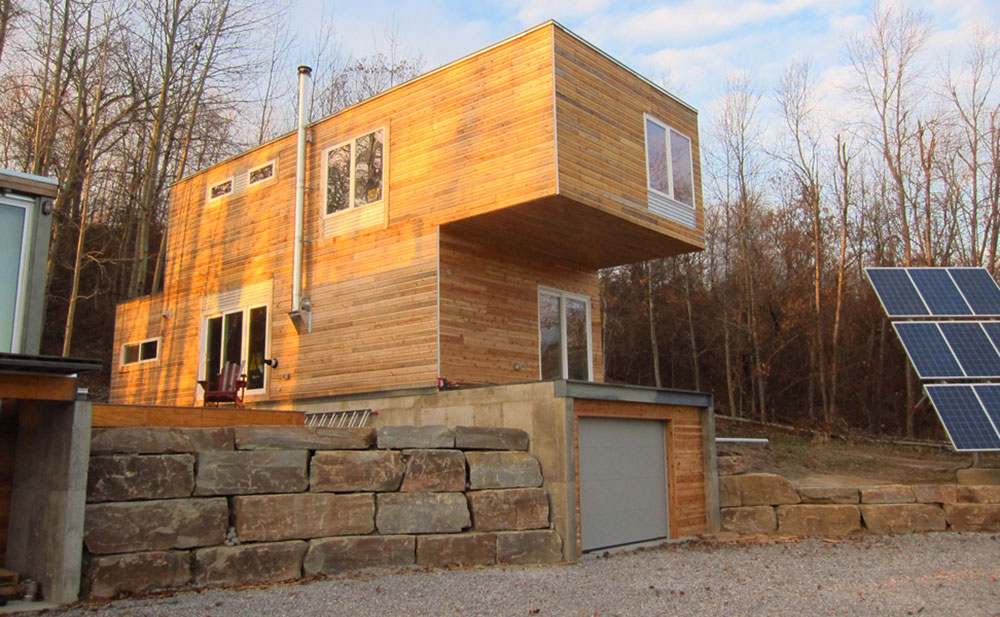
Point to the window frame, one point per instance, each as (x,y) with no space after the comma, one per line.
(244,310)
(138,345)
(232,188)
(19,318)
(563,339)
(273,163)
(325,170)
(646,118)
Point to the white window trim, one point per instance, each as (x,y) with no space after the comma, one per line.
(564,347)
(274,173)
(352,207)
(139,344)
(244,340)
(670,163)
(232,189)
(21,286)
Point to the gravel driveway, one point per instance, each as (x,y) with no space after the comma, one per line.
(933,574)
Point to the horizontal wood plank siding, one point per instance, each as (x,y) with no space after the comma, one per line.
(601,136)
(475,139)
(489,310)
(688,515)
(454,148)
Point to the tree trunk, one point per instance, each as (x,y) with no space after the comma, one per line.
(654,343)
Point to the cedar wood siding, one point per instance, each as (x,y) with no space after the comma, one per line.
(601,139)
(489,310)
(475,136)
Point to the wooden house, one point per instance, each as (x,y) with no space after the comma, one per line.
(452,232)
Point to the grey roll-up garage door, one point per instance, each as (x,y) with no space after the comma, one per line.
(623,481)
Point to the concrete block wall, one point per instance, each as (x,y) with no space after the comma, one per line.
(171,508)
(761,503)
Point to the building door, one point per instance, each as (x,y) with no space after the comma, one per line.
(623,481)
(14,233)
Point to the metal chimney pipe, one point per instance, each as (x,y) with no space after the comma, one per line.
(300,190)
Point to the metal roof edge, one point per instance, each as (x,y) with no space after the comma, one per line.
(632,394)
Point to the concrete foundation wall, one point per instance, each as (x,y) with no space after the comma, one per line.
(48,495)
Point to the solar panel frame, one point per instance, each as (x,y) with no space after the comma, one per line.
(896,292)
(964,417)
(928,350)
(940,292)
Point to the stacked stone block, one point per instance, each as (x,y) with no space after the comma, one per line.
(169,508)
(759,503)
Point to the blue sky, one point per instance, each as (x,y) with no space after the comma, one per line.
(691,44)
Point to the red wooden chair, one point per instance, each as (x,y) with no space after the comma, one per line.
(227,387)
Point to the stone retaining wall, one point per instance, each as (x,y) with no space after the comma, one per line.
(761,503)
(171,508)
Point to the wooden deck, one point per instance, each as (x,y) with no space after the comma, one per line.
(105,415)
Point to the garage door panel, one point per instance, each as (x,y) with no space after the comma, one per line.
(623,484)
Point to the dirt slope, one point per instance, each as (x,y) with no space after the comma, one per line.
(809,459)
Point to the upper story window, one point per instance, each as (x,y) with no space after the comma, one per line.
(355,172)
(669,170)
(261,173)
(220,189)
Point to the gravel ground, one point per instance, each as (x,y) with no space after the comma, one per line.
(933,574)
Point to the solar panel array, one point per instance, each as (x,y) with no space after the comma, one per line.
(936,292)
(962,349)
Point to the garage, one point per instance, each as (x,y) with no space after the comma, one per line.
(623,481)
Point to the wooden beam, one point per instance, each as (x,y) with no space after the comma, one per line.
(105,415)
(37,387)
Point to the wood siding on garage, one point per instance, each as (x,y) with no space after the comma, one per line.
(489,311)
(685,456)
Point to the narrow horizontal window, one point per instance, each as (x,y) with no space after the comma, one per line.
(221,189)
(260,174)
(140,351)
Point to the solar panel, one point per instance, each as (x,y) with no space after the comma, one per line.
(989,396)
(979,289)
(939,291)
(975,352)
(928,350)
(896,292)
(963,417)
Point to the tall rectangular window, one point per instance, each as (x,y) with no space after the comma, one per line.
(669,169)
(355,172)
(14,244)
(564,335)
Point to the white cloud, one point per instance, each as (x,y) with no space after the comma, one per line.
(531,12)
